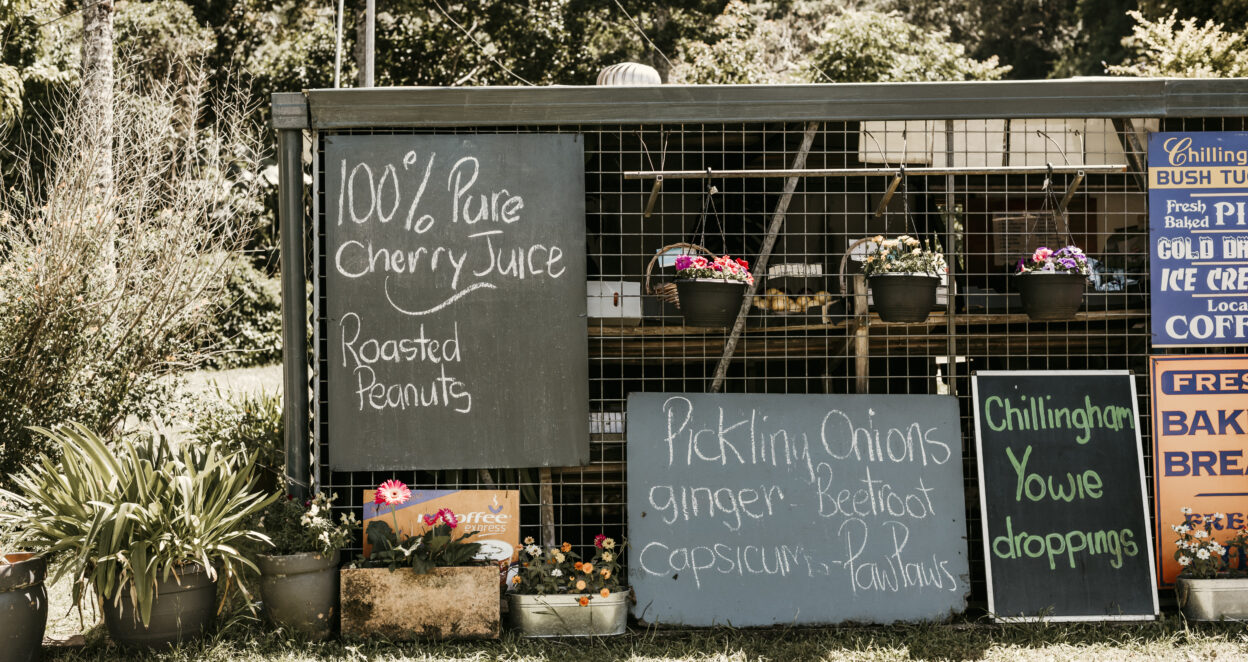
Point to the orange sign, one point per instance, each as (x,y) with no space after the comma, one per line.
(495,513)
(1200,446)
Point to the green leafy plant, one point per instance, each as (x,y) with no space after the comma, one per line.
(1199,554)
(121,517)
(436,547)
(297,527)
(247,423)
(903,255)
(560,570)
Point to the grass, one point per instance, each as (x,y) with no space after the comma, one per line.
(1169,639)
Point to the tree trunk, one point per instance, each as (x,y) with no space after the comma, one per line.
(97,91)
(361,26)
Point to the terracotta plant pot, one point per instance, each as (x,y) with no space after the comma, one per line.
(183,608)
(1050,297)
(23,607)
(300,592)
(710,302)
(563,616)
(447,603)
(903,297)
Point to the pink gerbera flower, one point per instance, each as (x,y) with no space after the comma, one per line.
(392,493)
(430,520)
(449,517)
(598,540)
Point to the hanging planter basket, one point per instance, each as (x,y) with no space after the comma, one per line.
(1050,297)
(903,297)
(710,301)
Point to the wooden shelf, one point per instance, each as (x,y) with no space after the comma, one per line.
(674,343)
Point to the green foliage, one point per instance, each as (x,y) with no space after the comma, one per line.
(250,423)
(560,570)
(1231,13)
(102,295)
(297,527)
(436,547)
(868,46)
(246,327)
(122,517)
(1170,47)
(10,96)
(161,39)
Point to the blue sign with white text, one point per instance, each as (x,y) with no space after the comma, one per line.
(1198,231)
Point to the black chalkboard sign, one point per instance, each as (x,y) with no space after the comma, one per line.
(455,301)
(1061,476)
(752,510)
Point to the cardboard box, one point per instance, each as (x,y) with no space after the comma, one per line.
(495,513)
(613,302)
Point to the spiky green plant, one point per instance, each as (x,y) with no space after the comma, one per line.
(119,518)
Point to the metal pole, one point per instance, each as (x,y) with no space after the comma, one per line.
(370,40)
(294,311)
(338,46)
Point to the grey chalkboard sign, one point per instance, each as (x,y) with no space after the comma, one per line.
(756,510)
(1061,476)
(455,301)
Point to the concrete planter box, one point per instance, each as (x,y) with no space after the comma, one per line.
(563,616)
(447,603)
(1212,599)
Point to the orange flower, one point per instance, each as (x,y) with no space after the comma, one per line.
(580,585)
(515,580)
(578,565)
(567,547)
(584,601)
(604,593)
(587,568)
(606,574)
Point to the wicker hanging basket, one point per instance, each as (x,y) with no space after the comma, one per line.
(667,291)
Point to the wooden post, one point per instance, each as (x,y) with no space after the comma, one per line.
(862,334)
(764,254)
(547,514)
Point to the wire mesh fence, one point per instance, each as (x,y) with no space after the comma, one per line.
(998,203)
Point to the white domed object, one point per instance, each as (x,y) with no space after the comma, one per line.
(629,73)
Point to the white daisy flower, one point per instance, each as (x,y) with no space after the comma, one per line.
(1202,554)
(1185,560)
(1200,534)
(1185,510)
(556,573)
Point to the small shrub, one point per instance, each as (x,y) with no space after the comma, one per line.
(247,328)
(247,423)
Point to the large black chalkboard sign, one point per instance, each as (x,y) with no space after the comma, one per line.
(1061,477)
(455,301)
(756,510)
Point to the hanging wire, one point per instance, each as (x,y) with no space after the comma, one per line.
(708,207)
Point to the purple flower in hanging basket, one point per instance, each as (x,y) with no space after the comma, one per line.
(1069,263)
(683,262)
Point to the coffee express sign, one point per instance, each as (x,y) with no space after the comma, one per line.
(1198,226)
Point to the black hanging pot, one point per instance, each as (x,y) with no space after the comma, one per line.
(1048,296)
(183,608)
(23,607)
(903,297)
(710,301)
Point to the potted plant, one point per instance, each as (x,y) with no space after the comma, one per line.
(148,528)
(710,292)
(1207,588)
(1051,283)
(555,594)
(903,275)
(426,584)
(299,576)
(23,598)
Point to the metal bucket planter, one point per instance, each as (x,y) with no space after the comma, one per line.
(23,607)
(446,603)
(903,297)
(710,301)
(1050,297)
(1212,599)
(563,616)
(183,608)
(300,592)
